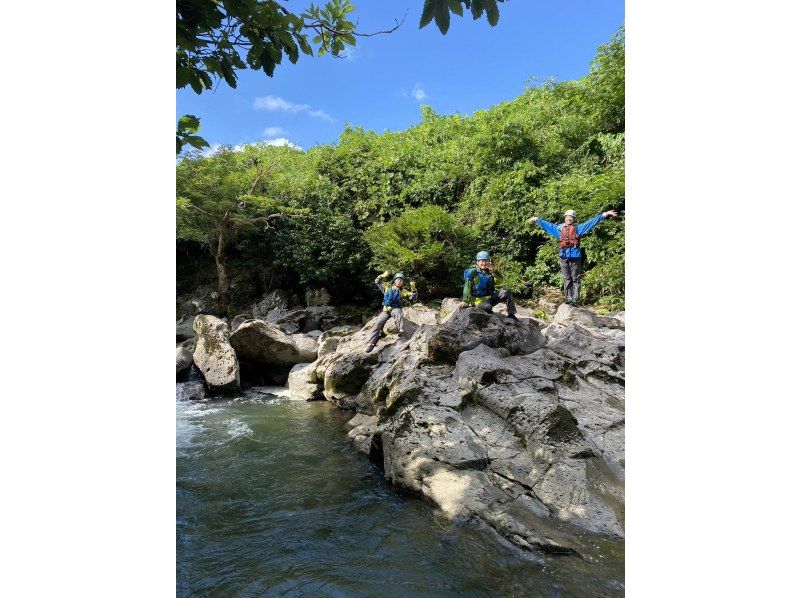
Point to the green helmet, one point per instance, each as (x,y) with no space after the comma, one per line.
(399,275)
(483,255)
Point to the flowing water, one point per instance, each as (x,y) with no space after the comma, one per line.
(272,501)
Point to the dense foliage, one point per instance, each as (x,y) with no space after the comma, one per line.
(425,199)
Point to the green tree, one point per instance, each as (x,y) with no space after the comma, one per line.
(425,242)
(223,196)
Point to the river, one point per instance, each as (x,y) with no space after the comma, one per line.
(272,501)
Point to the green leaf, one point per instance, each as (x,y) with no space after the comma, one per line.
(196,141)
(188,123)
(291,52)
(428,11)
(455,6)
(442,17)
(267,64)
(304,45)
(492,12)
(477,9)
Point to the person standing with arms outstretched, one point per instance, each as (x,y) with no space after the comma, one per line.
(569,241)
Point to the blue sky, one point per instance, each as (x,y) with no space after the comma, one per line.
(383,83)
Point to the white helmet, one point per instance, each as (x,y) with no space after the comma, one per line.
(570,213)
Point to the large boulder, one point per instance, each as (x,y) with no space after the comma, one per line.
(492,420)
(467,328)
(317,297)
(214,355)
(264,343)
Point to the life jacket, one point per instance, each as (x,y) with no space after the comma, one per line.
(568,236)
(482,283)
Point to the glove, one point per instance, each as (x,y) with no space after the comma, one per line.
(385,274)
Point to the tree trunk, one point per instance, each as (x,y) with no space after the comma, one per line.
(223,282)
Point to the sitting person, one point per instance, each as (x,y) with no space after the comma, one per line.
(479,288)
(393,298)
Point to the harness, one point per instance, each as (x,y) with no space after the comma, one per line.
(568,236)
(482,284)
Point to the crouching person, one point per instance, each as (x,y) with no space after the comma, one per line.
(479,290)
(393,297)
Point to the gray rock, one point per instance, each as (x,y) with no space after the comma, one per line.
(239,320)
(467,328)
(214,355)
(362,431)
(568,314)
(319,316)
(315,334)
(449,308)
(329,340)
(263,343)
(290,321)
(183,356)
(272,300)
(203,300)
(184,328)
(317,297)
(494,420)
(420,314)
(303,383)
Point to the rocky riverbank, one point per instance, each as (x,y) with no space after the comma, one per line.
(517,424)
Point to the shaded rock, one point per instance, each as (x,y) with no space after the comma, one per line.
(319,317)
(263,343)
(183,357)
(272,300)
(203,300)
(362,432)
(317,297)
(239,320)
(214,355)
(290,321)
(184,328)
(345,377)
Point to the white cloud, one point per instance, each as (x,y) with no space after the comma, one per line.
(277,104)
(418,93)
(351,54)
(274,103)
(274,132)
(281,141)
(277,142)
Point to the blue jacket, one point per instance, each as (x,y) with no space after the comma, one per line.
(569,253)
(394,297)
